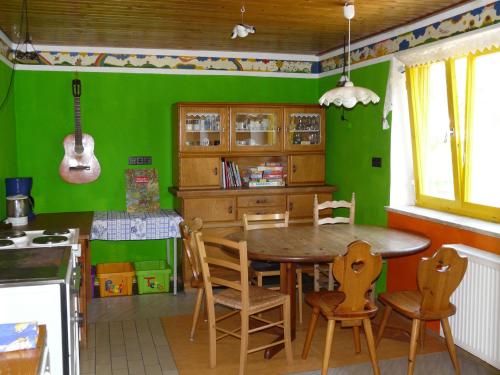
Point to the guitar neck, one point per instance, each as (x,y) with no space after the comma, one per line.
(78,127)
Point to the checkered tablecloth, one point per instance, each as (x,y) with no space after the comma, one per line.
(120,225)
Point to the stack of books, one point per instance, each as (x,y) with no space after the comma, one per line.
(230,174)
(267,174)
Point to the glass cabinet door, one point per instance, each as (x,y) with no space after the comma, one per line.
(305,129)
(256,129)
(203,129)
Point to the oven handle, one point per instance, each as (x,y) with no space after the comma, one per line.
(76,279)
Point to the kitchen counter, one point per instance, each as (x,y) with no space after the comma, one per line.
(81,220)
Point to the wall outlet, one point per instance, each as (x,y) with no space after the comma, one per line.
(376,162)
(140,160)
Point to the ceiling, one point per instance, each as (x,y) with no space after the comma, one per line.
(283,26)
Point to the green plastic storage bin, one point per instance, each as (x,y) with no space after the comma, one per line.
(153,276)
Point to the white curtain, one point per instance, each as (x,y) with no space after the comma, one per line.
(402,182)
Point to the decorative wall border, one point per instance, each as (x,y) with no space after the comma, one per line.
(469,21)
(210,62)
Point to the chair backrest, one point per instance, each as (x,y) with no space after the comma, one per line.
(187,232)
(356,271)
(251,222)
(334,204)
(239,265)
(438,277)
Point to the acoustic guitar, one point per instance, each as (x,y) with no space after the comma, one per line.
(79,165)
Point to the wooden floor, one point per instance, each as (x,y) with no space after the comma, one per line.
(126,337)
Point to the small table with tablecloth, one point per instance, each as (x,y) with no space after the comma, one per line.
(126,226)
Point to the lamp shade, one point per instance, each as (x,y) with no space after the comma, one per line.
(348,96)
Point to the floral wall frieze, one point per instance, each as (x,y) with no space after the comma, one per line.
(469,21)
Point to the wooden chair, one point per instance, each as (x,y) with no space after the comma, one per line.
(245,299)
(265,269)
(355,271)
(437,279)
(330,220)
(187,231)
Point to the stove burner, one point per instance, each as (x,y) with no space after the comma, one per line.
(49,240)
(56,232)
(6,243)
(10,234)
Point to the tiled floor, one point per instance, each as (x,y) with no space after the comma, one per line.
(126,336)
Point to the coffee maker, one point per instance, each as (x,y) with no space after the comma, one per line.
(20,186)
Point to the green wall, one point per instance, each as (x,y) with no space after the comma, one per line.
(130,114)
(127,114)
(352,144)
(8,166)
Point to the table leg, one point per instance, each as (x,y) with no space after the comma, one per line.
(175,266)
(287,286)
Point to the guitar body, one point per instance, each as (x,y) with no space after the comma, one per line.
(79,165)
(79,168)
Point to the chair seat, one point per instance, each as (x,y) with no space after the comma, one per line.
(260,299)
(264,266)
(408,303)
(327,302)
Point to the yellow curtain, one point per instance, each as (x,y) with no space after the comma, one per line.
(417,82)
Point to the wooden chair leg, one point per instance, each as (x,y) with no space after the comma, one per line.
(316,277)
(422,334)
(196,312)
(300,295)
(287,327)
(415,329)
(383,323)
(245,320)
(310,333)
(212,336)
(371,345)
(357,339)
(330,277)
(451,345)
(328,346)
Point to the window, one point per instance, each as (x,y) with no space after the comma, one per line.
(455,119)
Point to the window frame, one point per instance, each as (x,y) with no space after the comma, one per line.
(461,167)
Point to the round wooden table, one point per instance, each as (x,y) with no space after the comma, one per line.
(309,244)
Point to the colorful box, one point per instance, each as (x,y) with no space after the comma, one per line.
(153,276)
(115,279)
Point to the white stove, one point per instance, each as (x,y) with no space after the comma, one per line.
(54,304)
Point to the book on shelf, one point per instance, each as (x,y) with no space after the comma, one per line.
(266,174)
(230,174)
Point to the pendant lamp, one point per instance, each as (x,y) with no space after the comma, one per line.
(346,94)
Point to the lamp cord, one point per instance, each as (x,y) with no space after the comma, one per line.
(349,53)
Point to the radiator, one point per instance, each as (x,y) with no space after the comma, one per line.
(476,325)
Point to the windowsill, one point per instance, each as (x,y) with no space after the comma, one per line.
(462,222)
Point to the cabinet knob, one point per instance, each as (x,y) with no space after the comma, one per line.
(259,201)
(230,210)
(215,171)
(290,206)
(294,168)
(278,129)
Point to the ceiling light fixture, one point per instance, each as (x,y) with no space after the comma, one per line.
(345,94)
(25,52)
(242,30)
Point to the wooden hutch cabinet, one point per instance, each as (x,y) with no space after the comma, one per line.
(207,136)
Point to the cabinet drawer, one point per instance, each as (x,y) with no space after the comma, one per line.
(261,210)
(305,169)
(262,200)
(301,205)
(210,209)
(199,172)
